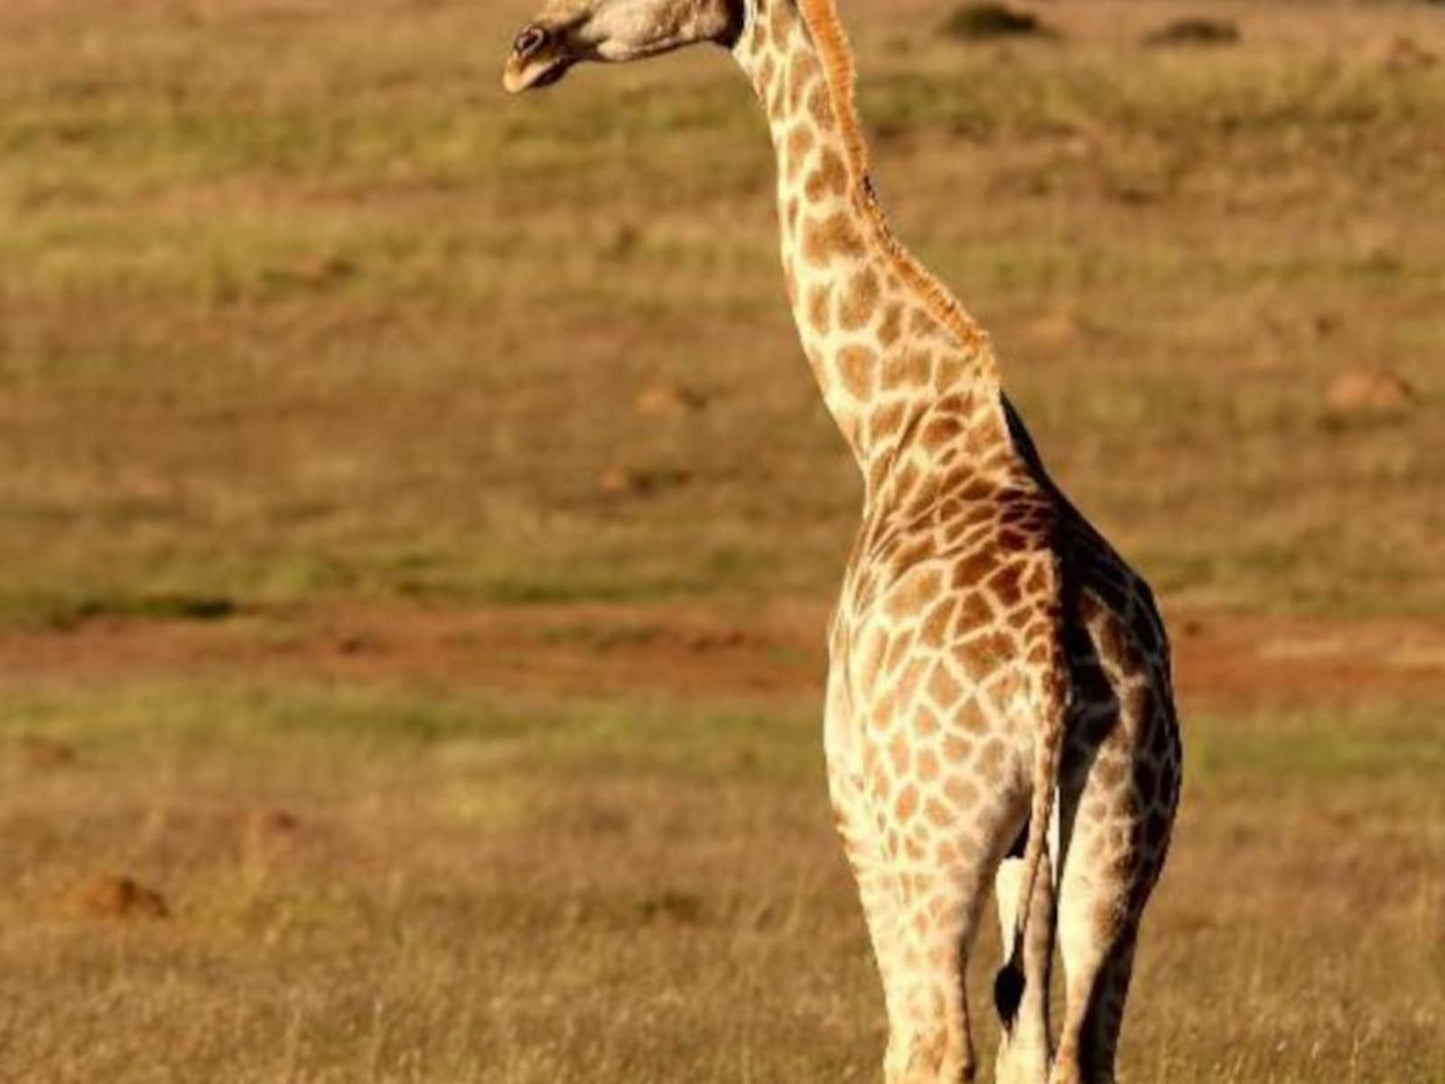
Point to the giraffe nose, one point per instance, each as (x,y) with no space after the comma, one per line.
(529,41)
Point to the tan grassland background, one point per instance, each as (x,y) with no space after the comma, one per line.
(417,527)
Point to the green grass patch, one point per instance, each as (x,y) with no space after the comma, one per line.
(250,721)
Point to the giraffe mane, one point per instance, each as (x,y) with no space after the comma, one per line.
(840,72)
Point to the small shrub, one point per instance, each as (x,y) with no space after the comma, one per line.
(1195,32)
(982,21)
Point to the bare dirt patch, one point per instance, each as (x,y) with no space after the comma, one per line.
(1224,658)
(712,649)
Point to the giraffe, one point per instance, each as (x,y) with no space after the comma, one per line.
(999,702)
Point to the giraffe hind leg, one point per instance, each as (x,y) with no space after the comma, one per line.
(1024,1050)
(1101,900)
(940,905)
(920,926)
(930,1040)
(877,889)
(1097,988)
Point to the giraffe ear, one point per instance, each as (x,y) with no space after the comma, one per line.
(540,56)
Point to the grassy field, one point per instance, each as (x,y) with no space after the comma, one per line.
(416,523)
(294,304)
(414,886)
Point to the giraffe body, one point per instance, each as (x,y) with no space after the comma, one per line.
(998,675)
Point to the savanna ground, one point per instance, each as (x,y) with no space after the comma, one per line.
(416,530)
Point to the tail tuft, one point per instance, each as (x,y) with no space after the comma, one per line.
(1008,992)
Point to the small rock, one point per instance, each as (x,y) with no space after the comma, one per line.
(38,752)
(1368,392)
(744,760)
(985,20)
(1195,32)
(678,908)
(273,822)
(359,643)
(119,897)
(620,482)
(623,242)
(1403,55)
(668,400)
(716,641)
(322,270)
(615,482)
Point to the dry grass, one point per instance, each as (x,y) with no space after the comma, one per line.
(468,890)
(298,317)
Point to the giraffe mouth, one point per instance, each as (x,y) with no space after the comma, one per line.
(536,75)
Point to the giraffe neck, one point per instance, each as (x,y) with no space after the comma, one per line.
(886,342)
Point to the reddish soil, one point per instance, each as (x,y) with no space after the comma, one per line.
(702,649)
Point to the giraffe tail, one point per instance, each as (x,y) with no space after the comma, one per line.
(1008,989)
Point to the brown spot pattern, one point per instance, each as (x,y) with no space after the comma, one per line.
(860,301)
(831,238)
(855,368)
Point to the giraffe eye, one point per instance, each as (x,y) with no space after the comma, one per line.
(529,41)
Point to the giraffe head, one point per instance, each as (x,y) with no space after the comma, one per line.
(567,32)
